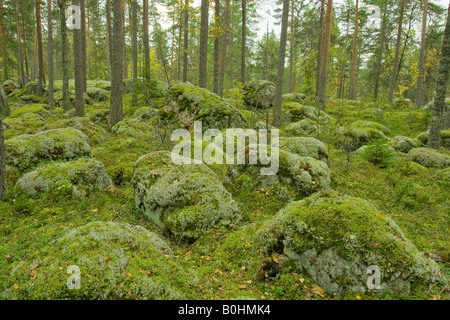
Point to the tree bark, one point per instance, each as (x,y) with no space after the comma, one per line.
(19,46)
(83,44)
(51,101)
(186,40)
(116,106)
(393,80)
(291,51)
(66,104)
(3,43)
(282,56)
(109,36)
(420,78)
(244,39)
(203,71)
(380,54)
(2,155)
(216,45)
(440,109)
(78,67)
(319,48)
(355,42)
(223,61)
(135,50)
(40,84)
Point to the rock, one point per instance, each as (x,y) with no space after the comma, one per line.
(76,177)
(185,200)
(117,261)
(189,103)
(373,113)
(428,158)
(445,138)
(128,86)
(39,109)
(410,168)
(300,112)
(361,132)
(305,127)
(335,239)
(95,133)
(162,88)
(305,147)
(304,174)
(26,151)
(294,97)
(402,102)
(259,93)
(145,113)
(26,123)
(10,86)
(404,144)
(96,94)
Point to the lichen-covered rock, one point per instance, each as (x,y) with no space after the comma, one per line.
(404,144)
(39,109)
(294,97)
(76,177)
(443,177)
(306,175)
(305,127)
(97,94)
(114,261)
(361,132)
(144,130)
(58,97)
(185,200)
(95,133)
(410,168)
(25,124)
(305,147)
(373,113)
(428,157)
(259,93)
(145,113)
(30,99)
(402,102)
(335,238)
(445,138)
(26,151)
(300,112)
(10,86)
(189,103)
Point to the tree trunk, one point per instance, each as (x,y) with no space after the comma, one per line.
(291,51)
(180,33)
(380,54)
(66,104)
(135,50)
(319,48)
(216,45)
(393,80)
(244,39)
(51,101)
(2,156)
(19,46)
(353,71)
(223,61)
(281,58)
(186,40)
(440,109)
(78,67)
(4,106)
(344,62)
(40,89)
(83,44)
(146,43)
(109,37)
(3,43)
(419,89)
(322,96)
(116,106)
(25,52)
(203,71)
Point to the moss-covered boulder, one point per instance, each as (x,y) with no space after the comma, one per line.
(305,175)
(95,133)
(362,132)
(259,93)
(27,123)
(185,200)
(302,128)
(335,239)
(402,102)
(76,177)
(300,112)
(404,144)
(373,113)
(305,147)
(27,151)
(10,86)
(411,168)
(97,94)
(428,157)
(188,103)
(145,113)
(114,261)
(39,109)
(294,97)
(445,138)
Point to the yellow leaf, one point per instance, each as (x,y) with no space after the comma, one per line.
(33,273)
(358,297)
(107,259)
(318,290)
(16,286)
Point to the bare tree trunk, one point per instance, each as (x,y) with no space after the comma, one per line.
(51,101)
(291,51)
(78,67)
(342,82)
(244,39)
(3,42)
(19,46)
(216,46)
(25,51)
(440,109)
(223,61)
(322,96)
(186,40)
(2,157)
(203,71)
(380,55)
(4,106)
(180,32)
(116,106)
(282,56)
(353,71)
(135,50)
(146,43)
(39,90)
(109,36)
(393,80)
(419,89)
(83,44)
(64,51)
(319,48)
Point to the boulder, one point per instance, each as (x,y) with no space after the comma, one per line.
(95,133)
(259,93)
(305,147)
(404,144)
(97,94)
(75,177)
(186,201)
(300,112)
(402,102)
(305,127)
(294,97)
(361,132)
(428,158)
(10,86)
(445,138)
(373,113)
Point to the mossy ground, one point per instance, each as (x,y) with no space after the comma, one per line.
(414,196)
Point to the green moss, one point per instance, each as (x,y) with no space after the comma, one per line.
(27,123)
(305,127)
(404,144)
(305,147)
(95,133)
(428,157)
(300,112)
(410,168)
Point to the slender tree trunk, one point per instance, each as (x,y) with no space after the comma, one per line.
(216,46)
(116,107)
(4,106)
(89,67)
(203,71)
(344,62)
(180,32)
(319,49)
(281,58)
(78,67)
(134,9)
(244,39)
(419,89)
(223,61)
(83,44)
(395,69)
(40,89)
(3,42)
(51,101)
(25,51)
(66,104)
(186,40)
(109,36)
(19,46)
(441,112)
(291,51)
(355,42)
(380,55)
(322,96)
(146,43)
(2,157)
(125,61)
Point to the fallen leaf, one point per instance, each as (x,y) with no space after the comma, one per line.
(318,290)
(242,286)
(376,245)
(16,286)
(7,256)
(33,273)
(107,259)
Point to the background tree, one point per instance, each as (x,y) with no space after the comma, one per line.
(51,101)
(203,54)
(419,89)
(395,69)
(355,42)
(322,95)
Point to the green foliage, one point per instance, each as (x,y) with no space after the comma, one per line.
(378,153)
